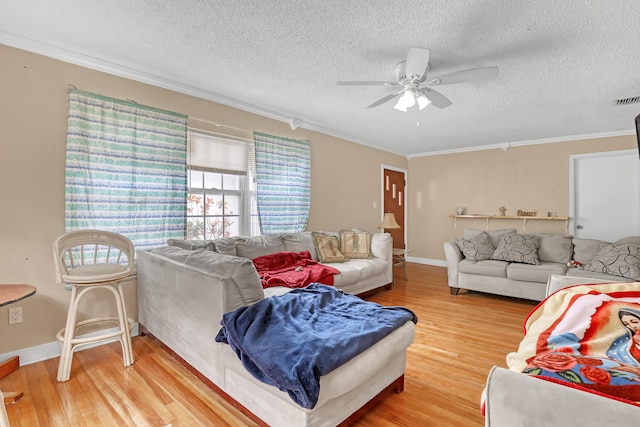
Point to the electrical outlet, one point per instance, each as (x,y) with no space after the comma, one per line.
(15,315)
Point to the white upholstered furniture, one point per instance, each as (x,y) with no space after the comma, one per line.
(515,399)
(4,419)
(520,280)
(88,260)
(182,295)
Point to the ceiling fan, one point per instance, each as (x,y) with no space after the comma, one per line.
(411,76)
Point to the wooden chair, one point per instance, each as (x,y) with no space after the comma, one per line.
(87,260)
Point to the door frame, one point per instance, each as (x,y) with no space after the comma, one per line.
(573,159)
(404,197)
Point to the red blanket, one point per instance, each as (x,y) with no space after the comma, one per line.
(293,270)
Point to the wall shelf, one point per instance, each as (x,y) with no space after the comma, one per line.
(523,218)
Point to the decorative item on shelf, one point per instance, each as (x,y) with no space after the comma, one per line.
(527,213)
(552,214)
(503,211)
(388,222)
(460,211)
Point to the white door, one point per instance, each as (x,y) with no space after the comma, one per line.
(605,195)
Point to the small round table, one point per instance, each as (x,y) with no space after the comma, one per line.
(8,295)
(14,293)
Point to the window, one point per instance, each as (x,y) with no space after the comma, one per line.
(221,200)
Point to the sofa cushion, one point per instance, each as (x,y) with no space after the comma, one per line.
(515,247)
(381,244)
(357,270)
(192,244)
(253,247)
(327,247)
(355,244)
(584,250)
(535,273)
(478,248)
(173,252)
(299,242)
(226,246)
(633,240)
(240,270)
(490,268)
(555,247)
(618,260)
(494,235)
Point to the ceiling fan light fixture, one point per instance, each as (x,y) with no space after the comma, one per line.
(400,106)
(407,100)
(423,101)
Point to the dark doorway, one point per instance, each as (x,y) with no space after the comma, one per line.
(394,185)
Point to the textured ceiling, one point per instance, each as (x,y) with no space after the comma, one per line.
(562,63)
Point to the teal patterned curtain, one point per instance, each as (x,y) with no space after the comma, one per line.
(126,169)
(283,183)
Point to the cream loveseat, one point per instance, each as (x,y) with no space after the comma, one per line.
(183,294)
(506,263)
(512,398)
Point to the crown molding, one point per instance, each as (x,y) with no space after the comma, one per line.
(154,80)
(506,145)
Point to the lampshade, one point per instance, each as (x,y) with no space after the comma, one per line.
(423,101)
(407,100)
(389,221)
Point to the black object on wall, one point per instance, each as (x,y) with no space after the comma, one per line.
(638,132)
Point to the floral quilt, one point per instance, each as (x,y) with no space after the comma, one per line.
(588,337)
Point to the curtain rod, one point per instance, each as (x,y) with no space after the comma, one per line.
(211,122)
(217,124)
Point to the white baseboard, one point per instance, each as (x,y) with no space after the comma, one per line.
(427,261)
(50,350)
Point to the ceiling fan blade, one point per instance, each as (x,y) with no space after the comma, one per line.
(356,83)
(437,99)
(417,62)
(467,76)
(386,98)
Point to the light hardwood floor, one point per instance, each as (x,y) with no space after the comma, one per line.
(458,339)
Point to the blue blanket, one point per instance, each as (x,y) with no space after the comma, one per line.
(292,340)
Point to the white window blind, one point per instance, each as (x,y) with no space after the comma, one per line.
(213,153)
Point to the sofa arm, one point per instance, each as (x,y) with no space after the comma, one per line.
(382,246)
(453,256)
(557,282)
(516,399)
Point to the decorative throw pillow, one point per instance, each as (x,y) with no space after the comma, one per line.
(617,260)
(494,235)
(355,244)
(327,247)
(479,248)
(515,247)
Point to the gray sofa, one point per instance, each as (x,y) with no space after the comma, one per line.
(479,270)
(183,294)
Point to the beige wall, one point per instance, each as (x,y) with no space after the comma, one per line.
(531,177)
(346,177)
(346,180)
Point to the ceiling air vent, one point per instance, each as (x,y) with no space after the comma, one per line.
(627,101)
